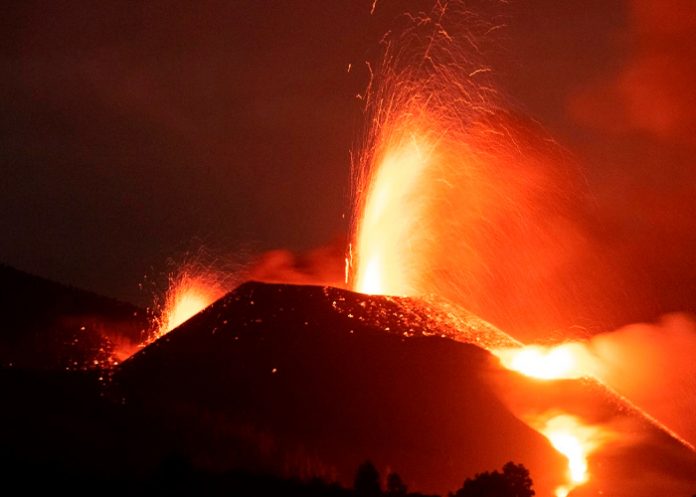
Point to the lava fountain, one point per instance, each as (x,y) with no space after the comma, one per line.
(384,262)
(458,199)
(190,290)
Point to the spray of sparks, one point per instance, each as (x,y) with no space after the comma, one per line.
(456,199)
(190,291)
(457,196)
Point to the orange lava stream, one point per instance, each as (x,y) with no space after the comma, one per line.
(567,434)
(564,361)
(576,441)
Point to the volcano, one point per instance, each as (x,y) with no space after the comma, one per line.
(311,381)
(304,379)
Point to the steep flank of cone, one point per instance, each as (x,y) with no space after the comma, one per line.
(307,380)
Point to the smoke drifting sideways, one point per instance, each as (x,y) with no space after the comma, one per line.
(653,365)
(649,364)
(653,92)
(322,266)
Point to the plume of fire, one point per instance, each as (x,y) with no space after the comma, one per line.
(190,291)
(384,266)
(458,199)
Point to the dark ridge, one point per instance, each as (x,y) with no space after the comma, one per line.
(49,325)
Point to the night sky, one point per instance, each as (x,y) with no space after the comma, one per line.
(134,132)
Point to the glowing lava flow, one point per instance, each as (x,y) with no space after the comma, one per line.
(567,434)
(576,441)
(564,361)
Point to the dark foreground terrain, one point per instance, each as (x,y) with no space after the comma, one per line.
(296,383)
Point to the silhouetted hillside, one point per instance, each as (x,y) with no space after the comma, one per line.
(53,326)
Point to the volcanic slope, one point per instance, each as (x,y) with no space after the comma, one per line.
(309,380)
(48,325)
(306,379)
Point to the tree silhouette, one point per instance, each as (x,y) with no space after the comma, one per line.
(518,480)
(367,481)
(395,486)
(514,481)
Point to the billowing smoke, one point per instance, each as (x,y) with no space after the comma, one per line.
(641,116)
(653,365)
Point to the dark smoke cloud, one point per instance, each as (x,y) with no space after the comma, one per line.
(319,266)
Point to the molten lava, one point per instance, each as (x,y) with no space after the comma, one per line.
(576,441)
(568,434)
